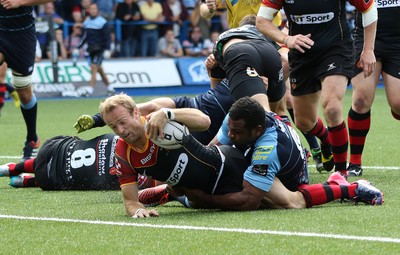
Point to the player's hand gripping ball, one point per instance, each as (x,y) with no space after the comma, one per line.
(173,135)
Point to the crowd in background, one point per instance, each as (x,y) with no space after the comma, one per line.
(148,28)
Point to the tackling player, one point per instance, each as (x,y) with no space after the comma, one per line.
(276,168)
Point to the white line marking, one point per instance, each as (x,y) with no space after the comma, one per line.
(237,230)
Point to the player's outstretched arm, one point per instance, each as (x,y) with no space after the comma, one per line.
(86,122)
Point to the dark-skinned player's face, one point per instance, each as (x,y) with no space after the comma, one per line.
(239,134)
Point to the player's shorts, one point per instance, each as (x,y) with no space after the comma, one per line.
(46,159)
(387,51)
(19,49)
(213,174)
(246,61)
(235,165)
(307,71)
(96,57)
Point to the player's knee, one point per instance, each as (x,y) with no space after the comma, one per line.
(29,104)
(21,82)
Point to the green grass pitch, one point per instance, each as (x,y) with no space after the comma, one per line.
(33,221)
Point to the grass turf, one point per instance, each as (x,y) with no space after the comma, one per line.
(90,222)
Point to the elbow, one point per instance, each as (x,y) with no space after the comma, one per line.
(203,124)
(206,122)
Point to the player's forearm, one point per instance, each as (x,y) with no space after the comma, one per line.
(369,37)
(194,119)
(268,28)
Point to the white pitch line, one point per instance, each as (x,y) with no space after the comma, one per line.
(364,167)
(235,230)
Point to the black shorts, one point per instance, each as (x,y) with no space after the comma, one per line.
(306,72)
(96,57)
(45,160)
(19,49)
(234,167)
(386,51)
(246,61)
(214,169)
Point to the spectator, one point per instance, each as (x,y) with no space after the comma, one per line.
(151,12)
(209,44)
(77,15)
(174,11)
(198,21)
(190,5)
(106,8)
(84,8)
(66,9)
(61,51)
(38,52)
(44,39)
(115,46)
(71,42)
(195,46)
(169,46)
(129,11)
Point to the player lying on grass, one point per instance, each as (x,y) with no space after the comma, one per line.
(68,163)
(213,170)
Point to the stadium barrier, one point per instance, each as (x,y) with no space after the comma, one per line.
(134,76)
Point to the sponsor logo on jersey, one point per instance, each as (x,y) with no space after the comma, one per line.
(260,169)
(178,170)
(149,156)
(101,154)
(262,152)
(387,3)
(315,18)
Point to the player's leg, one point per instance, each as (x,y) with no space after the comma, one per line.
(28,101)
(392,86)
(359,116)
(334,189)
(14,169)
(332,96)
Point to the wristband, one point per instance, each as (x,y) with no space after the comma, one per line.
(168,113)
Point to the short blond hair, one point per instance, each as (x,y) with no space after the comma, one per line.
(120,99)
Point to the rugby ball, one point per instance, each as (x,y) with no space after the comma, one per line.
(173,134)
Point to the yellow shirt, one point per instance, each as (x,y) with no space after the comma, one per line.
(151,13)
(237,9)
